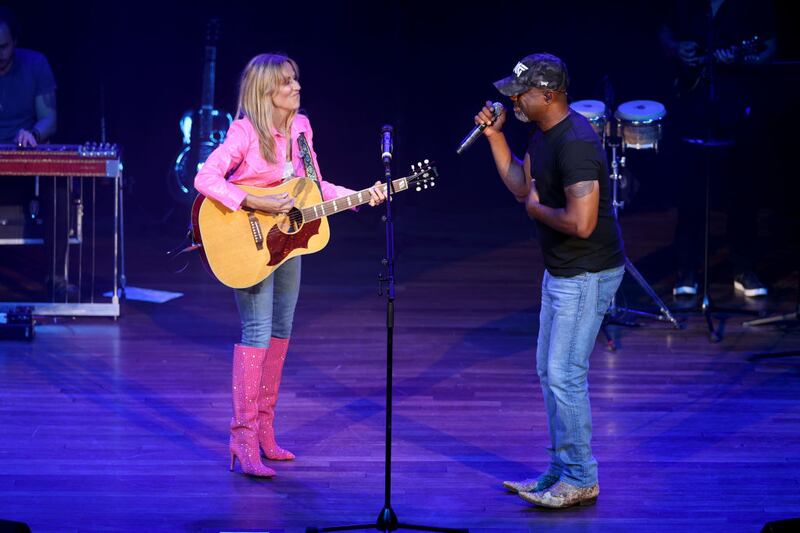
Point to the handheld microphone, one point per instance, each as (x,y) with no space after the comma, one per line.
(476,132)
(386,144)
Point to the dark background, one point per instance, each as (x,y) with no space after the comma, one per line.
(425,67)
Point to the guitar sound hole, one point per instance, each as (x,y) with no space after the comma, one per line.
(291,222)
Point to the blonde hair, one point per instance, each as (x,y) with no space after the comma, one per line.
(261,78)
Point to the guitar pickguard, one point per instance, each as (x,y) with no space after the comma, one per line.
(280,245)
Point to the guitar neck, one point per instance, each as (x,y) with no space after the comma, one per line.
(739,50)
(209,76)
(344,203)
(207,96)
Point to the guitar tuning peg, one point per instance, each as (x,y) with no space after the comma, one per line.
(433,183)
(412,167)
(418,188)
(426,161)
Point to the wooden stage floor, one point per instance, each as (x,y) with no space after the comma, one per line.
(122,426)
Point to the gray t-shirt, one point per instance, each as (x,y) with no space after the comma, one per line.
(30,76)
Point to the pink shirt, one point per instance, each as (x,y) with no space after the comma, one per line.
(240,156)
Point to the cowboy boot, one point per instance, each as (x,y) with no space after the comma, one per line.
(533,484)
(268,397)
(247,365)
(562,495)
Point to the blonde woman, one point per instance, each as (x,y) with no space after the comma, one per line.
(261,149)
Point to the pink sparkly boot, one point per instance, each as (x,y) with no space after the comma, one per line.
(247,364)
(268,397)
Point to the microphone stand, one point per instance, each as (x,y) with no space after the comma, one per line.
(387,518)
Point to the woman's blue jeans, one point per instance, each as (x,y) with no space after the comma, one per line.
(267,309)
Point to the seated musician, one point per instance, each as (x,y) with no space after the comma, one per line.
(27,118)
(27,90)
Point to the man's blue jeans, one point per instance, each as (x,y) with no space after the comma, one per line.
(267,309)
(571,315)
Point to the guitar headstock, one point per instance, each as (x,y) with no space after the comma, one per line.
(748,47)
(423,175)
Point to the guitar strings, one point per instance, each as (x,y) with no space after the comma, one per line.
(297,216)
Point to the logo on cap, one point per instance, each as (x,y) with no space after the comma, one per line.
(519,69)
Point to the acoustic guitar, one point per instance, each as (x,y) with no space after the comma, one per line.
(241,248)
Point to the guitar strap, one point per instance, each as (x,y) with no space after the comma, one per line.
(305,153)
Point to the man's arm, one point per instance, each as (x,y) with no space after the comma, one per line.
(581,165)
(668,42)
(45,125)
(515,176)
(578,218)
(514,173)
(46,115)
(685,51)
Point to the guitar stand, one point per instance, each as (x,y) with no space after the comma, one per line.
(387,518)
(615,313)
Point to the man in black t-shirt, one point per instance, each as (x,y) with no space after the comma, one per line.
(563,181)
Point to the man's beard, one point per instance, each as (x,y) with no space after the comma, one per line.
(522,117)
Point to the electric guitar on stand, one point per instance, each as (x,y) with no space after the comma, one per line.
(203,129)
(241,248)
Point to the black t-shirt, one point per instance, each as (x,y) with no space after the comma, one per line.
(568,153)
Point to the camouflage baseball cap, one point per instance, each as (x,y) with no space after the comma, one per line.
(544,71)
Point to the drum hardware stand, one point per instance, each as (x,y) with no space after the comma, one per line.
(387,518)
(614,310)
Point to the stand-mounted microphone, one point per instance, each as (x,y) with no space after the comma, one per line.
(386,144)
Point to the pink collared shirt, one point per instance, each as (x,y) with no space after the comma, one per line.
(239,155)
